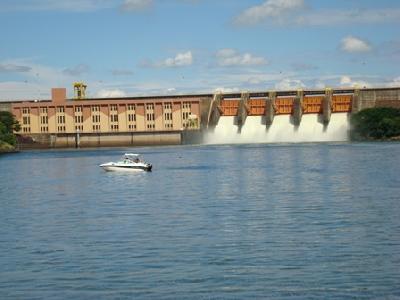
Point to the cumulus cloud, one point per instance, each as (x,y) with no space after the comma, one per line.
(230,57)
(116,93)
(270,9)
(180,60)
(76,70)
(347,81)
(289,84)
(352,44)
(136,5)
(12,68)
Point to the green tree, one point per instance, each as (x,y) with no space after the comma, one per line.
(8,125)
(376,123)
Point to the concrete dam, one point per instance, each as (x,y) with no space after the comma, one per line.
(222,118)
(281,117)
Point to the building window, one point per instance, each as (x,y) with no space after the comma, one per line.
(44,119)
(60,109)
(113,107)
(26,120)
(114,118)
(25,110)
(95,108)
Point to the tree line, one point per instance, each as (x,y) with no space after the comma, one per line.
(378,123)
(8,125)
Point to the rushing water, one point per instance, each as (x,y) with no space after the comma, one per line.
(277,221)
(282,130)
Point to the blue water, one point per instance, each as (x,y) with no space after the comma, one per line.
(297,221)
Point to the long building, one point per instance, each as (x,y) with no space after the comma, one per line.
(111,121)
(62,122)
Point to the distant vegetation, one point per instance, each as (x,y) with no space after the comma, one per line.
(379,123)
(8,125)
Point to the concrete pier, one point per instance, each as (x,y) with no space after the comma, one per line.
(327,107)
(243,110)
(270,108)
(298,108)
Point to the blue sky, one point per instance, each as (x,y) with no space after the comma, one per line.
(146,47)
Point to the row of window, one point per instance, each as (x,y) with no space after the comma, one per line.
(114,118)
(96,118)
(44,119)
(150,117)
(78,119)
(26,120)
(61,128)
(44,129)
(61,119)
(168,116)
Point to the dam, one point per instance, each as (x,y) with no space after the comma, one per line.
(222,118)
(280,117)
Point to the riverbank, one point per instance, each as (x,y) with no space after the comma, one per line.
(6,148)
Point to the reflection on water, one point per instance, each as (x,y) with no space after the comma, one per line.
(236,222)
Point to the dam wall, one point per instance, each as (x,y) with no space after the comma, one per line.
(43,141)
(266,116)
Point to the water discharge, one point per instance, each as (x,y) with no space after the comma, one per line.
(282,130)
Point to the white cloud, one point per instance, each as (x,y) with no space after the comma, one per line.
(352,44)
(270,9)
(136,5)
(115,93)
(180,60)
(289,84)
(230,57)
(347,81)
(226,90)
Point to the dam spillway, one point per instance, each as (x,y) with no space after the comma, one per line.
(297,117)
(282,130)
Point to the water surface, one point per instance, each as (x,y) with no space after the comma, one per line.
(295,221)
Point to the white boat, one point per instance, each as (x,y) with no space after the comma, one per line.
(129,162)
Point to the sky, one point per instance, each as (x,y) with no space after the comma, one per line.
(160,47)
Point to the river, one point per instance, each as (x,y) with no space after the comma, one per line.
(281,221)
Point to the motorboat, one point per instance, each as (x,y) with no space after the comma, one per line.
(129,162)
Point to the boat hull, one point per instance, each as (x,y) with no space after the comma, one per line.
(125,168)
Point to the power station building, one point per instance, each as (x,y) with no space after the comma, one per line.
(110,121)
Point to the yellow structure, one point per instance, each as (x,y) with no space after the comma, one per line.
(79,90)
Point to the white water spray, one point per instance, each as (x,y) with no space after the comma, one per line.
(282,130)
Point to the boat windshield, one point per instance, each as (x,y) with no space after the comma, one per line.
(132,157)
